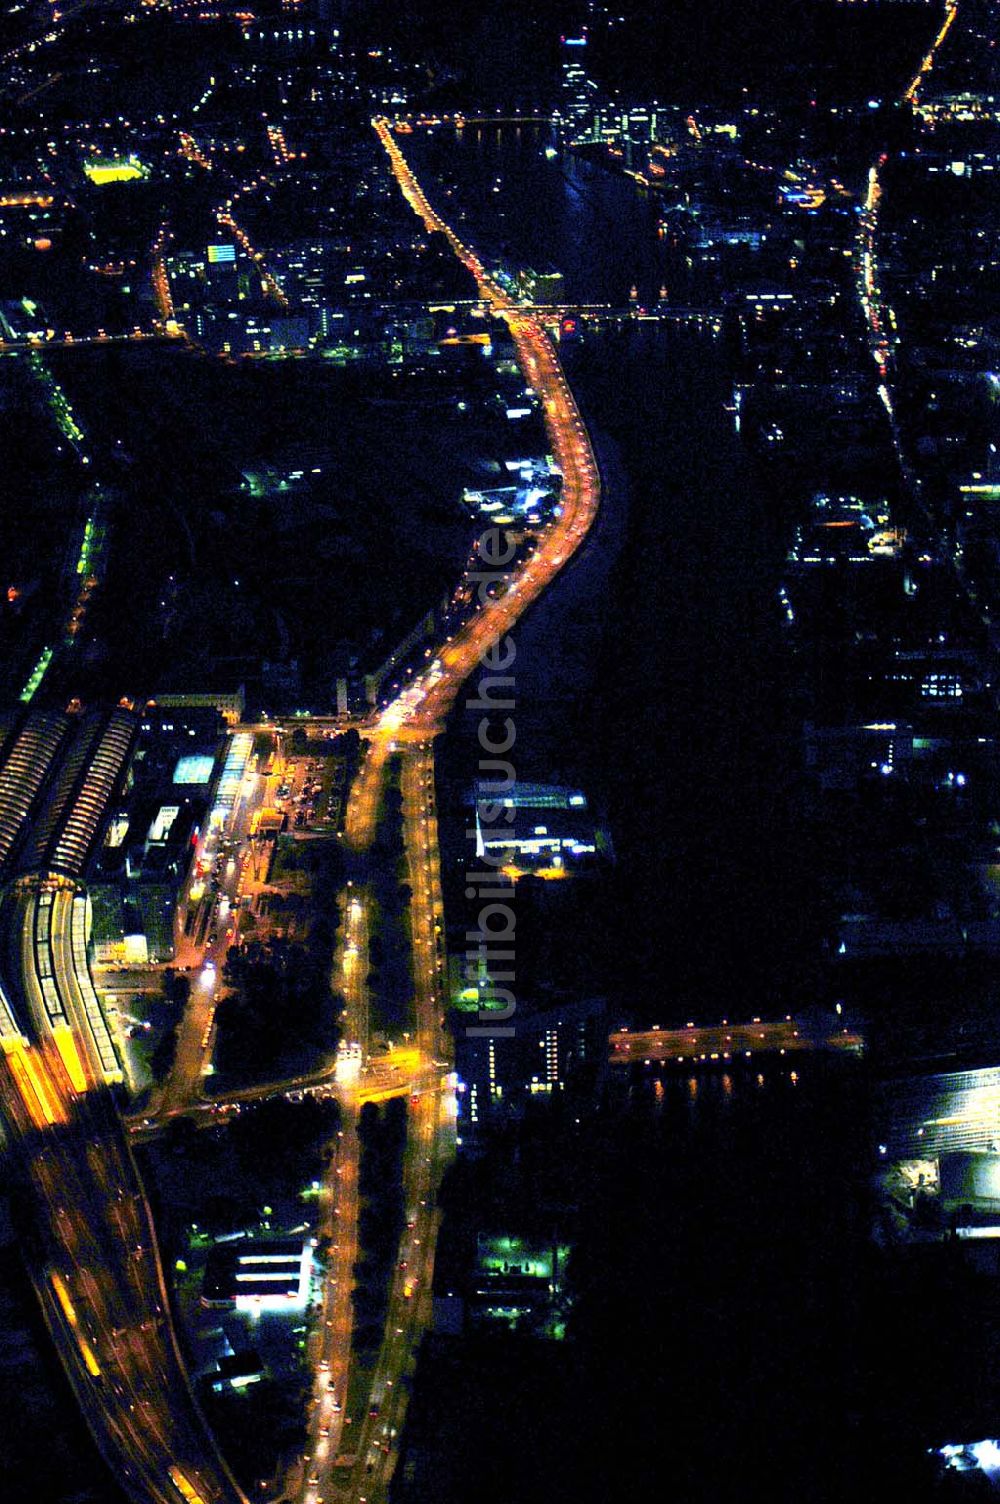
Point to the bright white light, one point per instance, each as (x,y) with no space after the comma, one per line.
(987,1454)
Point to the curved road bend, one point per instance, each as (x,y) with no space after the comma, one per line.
(356,1463)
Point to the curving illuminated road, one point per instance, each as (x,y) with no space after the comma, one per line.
(878,316)
(93,1254)
(96,1265)
(425,703)
(912,91)
(352,1457)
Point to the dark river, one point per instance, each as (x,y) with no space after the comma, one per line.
(595,227)
(655,669)
(733,1307)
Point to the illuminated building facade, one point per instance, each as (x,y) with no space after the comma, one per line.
(537,1053)
(579,93)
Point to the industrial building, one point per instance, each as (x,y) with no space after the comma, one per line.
(137,874)
(514,1281)
(931,1114)
(258,1275)
(536,828)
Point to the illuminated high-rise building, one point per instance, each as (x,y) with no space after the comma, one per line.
(579,93)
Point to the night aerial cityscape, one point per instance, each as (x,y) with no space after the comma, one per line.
(499,751)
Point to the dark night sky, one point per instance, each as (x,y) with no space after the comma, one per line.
(678,48)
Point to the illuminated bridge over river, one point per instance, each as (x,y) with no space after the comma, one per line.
(726,1041)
